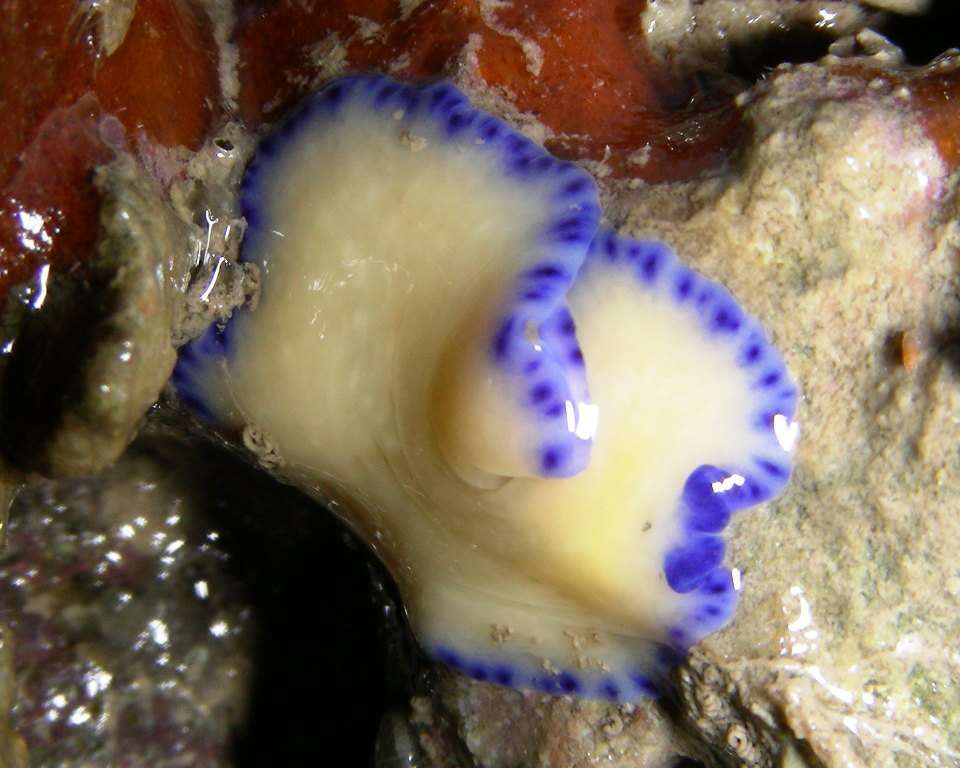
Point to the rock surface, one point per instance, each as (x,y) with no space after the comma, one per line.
(132,642)
(840,232)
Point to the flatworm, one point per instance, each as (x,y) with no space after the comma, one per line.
(540,427)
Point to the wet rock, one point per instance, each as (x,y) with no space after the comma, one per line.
(84,355)
(618,100)
(13,750)
(132,641)
(85,77)
(87,354)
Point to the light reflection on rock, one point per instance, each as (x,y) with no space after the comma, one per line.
(121,660)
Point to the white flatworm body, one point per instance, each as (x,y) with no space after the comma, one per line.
(541,428)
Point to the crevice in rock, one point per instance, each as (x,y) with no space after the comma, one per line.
(795,46)
(925,36)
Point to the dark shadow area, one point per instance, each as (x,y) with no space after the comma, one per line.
(44,372)
(325,617)
(922,38)
(946,344)
(926,36)
(687,762)
(796,46)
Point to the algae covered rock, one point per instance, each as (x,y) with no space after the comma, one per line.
(84,354)
(88,353)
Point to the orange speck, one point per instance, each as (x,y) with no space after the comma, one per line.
(910,352)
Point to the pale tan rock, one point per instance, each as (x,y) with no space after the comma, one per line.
(688,33)
(900,6)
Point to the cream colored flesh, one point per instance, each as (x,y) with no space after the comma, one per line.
(389,258)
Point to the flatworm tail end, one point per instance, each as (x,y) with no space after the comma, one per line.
(644,677)
(552,652)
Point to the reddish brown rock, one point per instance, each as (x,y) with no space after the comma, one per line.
(937,96)
(160,82)
(932,92)
(581,68)
(48,211)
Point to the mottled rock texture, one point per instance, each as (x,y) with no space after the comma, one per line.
(132,642)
